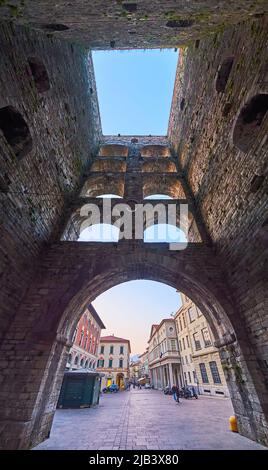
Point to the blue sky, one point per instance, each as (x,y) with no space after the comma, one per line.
(128,310)
(135,90)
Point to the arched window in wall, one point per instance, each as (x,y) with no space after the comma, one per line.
(158,196)
(16,131)
(249,122)
(113,150)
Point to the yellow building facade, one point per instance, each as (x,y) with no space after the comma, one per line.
(200,361)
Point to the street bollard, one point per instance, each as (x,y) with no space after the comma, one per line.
(233,424)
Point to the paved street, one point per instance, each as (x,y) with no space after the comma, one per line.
(147,419)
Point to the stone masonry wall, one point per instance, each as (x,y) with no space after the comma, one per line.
(64,127)
(108,24)
(229,185)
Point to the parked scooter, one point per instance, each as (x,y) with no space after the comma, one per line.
(187,392)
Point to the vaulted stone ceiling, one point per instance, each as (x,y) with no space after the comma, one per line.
(130,24)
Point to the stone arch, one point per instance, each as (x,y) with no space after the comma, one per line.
(185,225)
(106,165)
(249,122)
(194,271)
(39,74)
(16,131)
(113,150)
(155,151)
(96,185)
(159,165)
(169,185)
(157,267)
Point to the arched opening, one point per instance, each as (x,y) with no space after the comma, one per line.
(39,74)
(249,122)
(158,165)
(120,380)
(100,233)
(82,362)
(109,196)
(190,272)
(113,150)
(96,185)
(167,375)
(16,131)
(76,361)
(155,151)
(158,196)
(223,74)
(164,233)
(169,185)
(109,165)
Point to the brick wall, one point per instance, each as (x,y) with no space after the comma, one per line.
(108,24)
(64,126)
(221,176)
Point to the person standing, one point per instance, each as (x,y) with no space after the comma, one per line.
(174,391)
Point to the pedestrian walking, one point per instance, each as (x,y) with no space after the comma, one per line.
(174,391)
(177,394)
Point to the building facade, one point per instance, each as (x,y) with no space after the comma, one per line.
(200,360)
(144,364)
(163,355)
(135,371)
(113,360)
(84,352)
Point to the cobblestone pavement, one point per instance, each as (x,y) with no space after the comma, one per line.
(147,419)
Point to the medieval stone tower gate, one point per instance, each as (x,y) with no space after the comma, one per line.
(54,159)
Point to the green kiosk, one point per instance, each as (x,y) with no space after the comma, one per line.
(80,389)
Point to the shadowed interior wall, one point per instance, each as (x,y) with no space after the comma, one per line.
(64,126)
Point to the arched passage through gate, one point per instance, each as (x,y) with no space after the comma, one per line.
(79,276)
(189,271)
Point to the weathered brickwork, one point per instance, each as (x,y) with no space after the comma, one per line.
(51,165)
(108,24)
(229,185)
(64,126)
